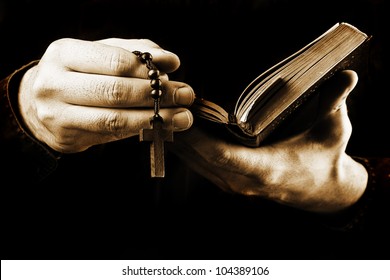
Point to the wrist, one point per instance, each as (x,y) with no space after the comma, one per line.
(21,152)
(368,209)
(344,186)
(354,178)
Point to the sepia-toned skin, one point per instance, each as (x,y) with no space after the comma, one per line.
(85,93)
(309,171)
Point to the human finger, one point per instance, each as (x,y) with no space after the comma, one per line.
(165,60)
(333,126)
(88,126)
(334,92)
(111,91)
(94,57)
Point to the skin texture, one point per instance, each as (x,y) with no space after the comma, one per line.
(85,93)
(309,171)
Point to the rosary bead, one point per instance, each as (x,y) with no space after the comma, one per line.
(153,74)
(157,134)
(156,93)
(144,57)
(155,83)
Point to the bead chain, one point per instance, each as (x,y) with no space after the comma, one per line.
(155,82)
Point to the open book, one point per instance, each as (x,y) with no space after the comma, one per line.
(275,94)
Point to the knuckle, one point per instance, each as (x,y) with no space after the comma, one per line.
(113,92)
(220,157)
(56,46)
(343,140)
(117,62)
(64,145)
(147,42)
(45,114)
(39,86)
(43,87)
(113,123)
(67,147)
(63,139)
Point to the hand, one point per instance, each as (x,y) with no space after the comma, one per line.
(309,171)
(86,93)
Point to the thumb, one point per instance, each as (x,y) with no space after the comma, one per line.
(334,92)
(333,127)
(329,98)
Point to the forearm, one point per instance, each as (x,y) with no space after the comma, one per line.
(23,156)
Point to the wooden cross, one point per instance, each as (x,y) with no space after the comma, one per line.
(157,135)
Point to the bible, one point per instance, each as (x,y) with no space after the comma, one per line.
(274,95)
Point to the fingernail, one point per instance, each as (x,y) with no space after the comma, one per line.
(184,96)
(182,120)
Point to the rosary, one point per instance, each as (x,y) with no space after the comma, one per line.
(157,135)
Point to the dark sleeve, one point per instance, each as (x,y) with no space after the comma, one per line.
(23,157)
(371,212)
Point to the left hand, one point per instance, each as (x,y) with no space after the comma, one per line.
(309,171)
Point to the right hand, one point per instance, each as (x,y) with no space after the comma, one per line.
(85,93)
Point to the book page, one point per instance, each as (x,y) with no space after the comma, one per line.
(256,88)
(299,74)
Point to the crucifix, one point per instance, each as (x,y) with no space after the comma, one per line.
(157,135)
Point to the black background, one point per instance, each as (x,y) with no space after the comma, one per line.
(223,45)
